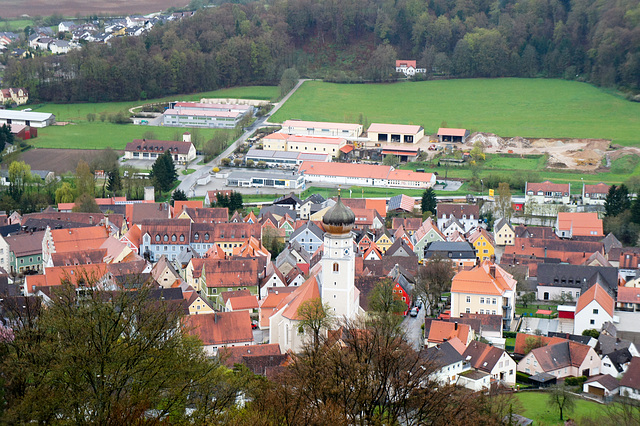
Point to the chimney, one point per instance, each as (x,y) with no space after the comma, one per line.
(215,317)
(149,194)
(492,270)
(456,325)
(186,137)
(90,220)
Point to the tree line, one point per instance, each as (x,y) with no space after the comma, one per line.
(353,40)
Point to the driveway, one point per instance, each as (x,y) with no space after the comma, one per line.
(413,328)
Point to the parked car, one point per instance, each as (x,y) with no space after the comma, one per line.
(414,311)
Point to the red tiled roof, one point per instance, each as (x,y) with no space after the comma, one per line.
(243,302)
(628,295)
(347,149)
(442,331)
(600,295)
(75,239)
(600,188)
(150,145)
(480,281)
(221,328)
(581,224)
(548,186)
(407,63)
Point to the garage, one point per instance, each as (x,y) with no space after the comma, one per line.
(596,390)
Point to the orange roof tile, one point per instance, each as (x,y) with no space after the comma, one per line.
(178,206)
(220,328)
(599,294)
(480,281)
(442,331)
(78,238)
(581,224)
(243,302)
(307,291)
(379,205)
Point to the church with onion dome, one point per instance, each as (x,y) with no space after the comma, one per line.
(332,279)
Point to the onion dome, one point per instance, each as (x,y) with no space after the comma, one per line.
(339,219)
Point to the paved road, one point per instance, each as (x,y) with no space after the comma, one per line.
(413,328)
(189,182)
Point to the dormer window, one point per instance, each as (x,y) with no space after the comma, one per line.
(165,238)
(158,237)
(181,238)
(174,238)
(206,236)
(196,236)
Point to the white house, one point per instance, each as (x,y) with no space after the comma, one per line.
(594,308)
(449,363)
(594,195)
(547,192)
(494,361)
(604,385)
(409,68)
(182,152)
(562,359)
(630,383)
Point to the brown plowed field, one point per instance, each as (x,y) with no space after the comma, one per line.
(14,8)
(59,160)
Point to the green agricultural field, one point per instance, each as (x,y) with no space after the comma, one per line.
(15,24)
(97,134)
(503,165)
(507,107)
(537,407)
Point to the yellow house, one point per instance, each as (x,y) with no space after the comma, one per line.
(483,242)
(197,305)
(313,144)
(503,233)
(384,241)
(275,142)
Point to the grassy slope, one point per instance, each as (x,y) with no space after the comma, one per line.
(538,409)
(98,135)
(507,107)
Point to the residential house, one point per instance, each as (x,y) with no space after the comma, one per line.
(196,304)
(547,192)
(630,383)
(73,239)
(309,236)
(460,254)
(483,243)
(164,273)
(628,299)
(22,252)
(205,215)
(221,329)
(228,236)
(18,96)
(425,235)
(410,224)
(212,196)
(383,240)
(262,360)
(556,280)
(229,275)
(166,237)
(494,361)
(616,363)
(595,307)
(581,224)
(409,68)
(400,248)
(485,289)
(561,359)
(60,47)
(242,303)
(447,360)
(182,152)
(438,332)
(503,233)
(594,195)
(467,215)
(401,203)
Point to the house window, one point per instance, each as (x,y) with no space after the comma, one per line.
(592,322)
(493,312)
(468,310)
(482,311)
(482,300)
(595,312)
(335,267)
(493,301)
(468,299)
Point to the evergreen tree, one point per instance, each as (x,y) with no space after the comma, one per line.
(5,136)
(635,210)
(429,202)
(114,184)
(235,202)
(179,195)
(617,200)
(163,173)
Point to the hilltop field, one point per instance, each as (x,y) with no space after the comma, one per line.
(508,107)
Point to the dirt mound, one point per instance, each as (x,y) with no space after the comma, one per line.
(488,140)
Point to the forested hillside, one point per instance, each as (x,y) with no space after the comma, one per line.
(350,40)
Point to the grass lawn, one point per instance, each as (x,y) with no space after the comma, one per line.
(375,192)
(537,407)
(188,172)
(97,134)
(506,106)
(532,309)
(15,24)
